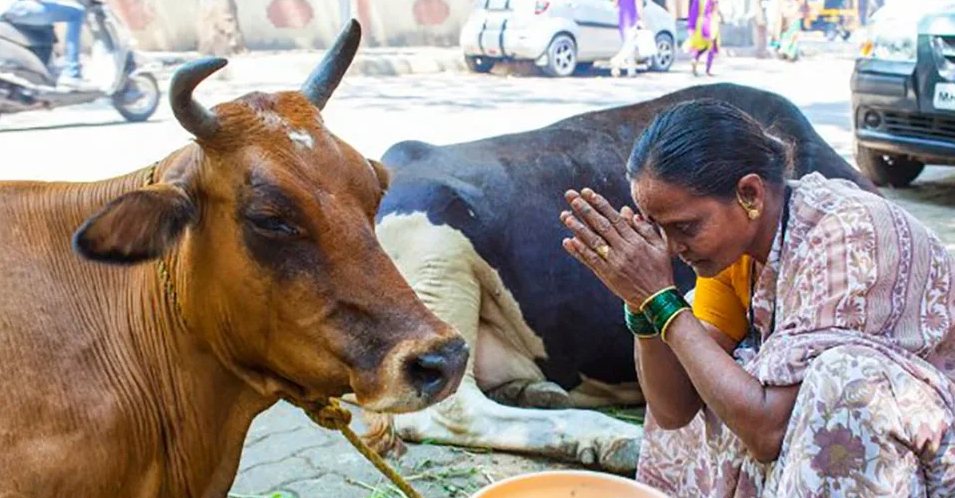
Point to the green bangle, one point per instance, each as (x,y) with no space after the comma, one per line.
(664,306)
(638,323)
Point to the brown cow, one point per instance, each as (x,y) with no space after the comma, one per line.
(239,270)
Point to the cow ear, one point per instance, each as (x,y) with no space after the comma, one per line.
(383,174)
(137,226)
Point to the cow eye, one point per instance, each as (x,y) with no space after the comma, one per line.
(273,225)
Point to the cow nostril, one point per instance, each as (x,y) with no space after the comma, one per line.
(428,373)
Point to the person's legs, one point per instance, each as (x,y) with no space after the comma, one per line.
(48,12)
(73,14)
(696,59)
(864,426)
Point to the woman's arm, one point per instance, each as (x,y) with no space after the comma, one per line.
(665,383)
(758,415)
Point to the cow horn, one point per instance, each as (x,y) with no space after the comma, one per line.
(325,78)
(195,118)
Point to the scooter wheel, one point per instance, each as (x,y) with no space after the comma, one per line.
(139,99)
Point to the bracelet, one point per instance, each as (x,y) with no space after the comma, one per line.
(643,307)
(663,332)
(638,324)
(663,307)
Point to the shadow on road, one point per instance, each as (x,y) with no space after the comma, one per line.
(75,124)
(936,190)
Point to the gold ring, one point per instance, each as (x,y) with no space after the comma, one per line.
(603,251)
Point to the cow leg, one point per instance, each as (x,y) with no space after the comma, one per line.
(472,420)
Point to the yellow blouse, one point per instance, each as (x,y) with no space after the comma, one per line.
(722,300)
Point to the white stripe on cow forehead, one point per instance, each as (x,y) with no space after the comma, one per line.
(302,138)
(299,137)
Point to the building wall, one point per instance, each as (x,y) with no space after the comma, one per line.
(289,24)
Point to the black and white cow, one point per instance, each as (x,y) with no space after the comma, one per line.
(474,228)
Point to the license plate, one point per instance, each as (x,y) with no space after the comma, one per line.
(944,96)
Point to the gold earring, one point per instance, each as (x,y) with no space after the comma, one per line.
(751,211)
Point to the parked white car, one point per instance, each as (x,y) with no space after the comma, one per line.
(560,36)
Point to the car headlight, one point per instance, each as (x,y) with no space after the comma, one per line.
(893,37)
(890,48)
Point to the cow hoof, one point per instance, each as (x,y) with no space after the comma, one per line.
(508,394)
(528,394)
(545,395)
(587,456)
(621,456)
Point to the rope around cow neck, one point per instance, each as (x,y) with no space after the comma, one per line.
(328,415)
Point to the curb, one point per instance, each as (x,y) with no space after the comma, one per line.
(264,67)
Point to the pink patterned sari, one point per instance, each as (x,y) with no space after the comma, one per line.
(866,325)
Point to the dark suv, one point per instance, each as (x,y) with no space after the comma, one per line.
(903,92)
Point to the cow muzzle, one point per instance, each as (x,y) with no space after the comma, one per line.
(414,378)
(435,374)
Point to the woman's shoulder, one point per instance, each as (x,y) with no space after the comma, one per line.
(833,206)
(834,196)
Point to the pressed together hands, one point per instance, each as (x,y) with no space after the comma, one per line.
(626,252)
(632,258)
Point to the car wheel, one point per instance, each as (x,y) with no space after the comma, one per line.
(479,64)
(561,56)
(885,170)
(666,52)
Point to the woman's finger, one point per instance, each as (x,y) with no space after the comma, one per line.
(646,231)
(589,256)
(596,221)
(627,214)
(582,231)
(599,202)
(571,249)
(664,243)
(642,230)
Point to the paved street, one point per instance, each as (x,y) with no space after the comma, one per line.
(285,453)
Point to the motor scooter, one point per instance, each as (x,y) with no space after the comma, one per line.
(28,73)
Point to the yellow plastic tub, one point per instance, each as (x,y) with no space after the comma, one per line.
(568,484)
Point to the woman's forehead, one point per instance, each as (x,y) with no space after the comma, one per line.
(665,202)
(650,193)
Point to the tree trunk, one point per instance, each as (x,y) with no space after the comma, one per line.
(218,28)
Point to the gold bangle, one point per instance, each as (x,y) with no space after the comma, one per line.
(663,331)
(655,294)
